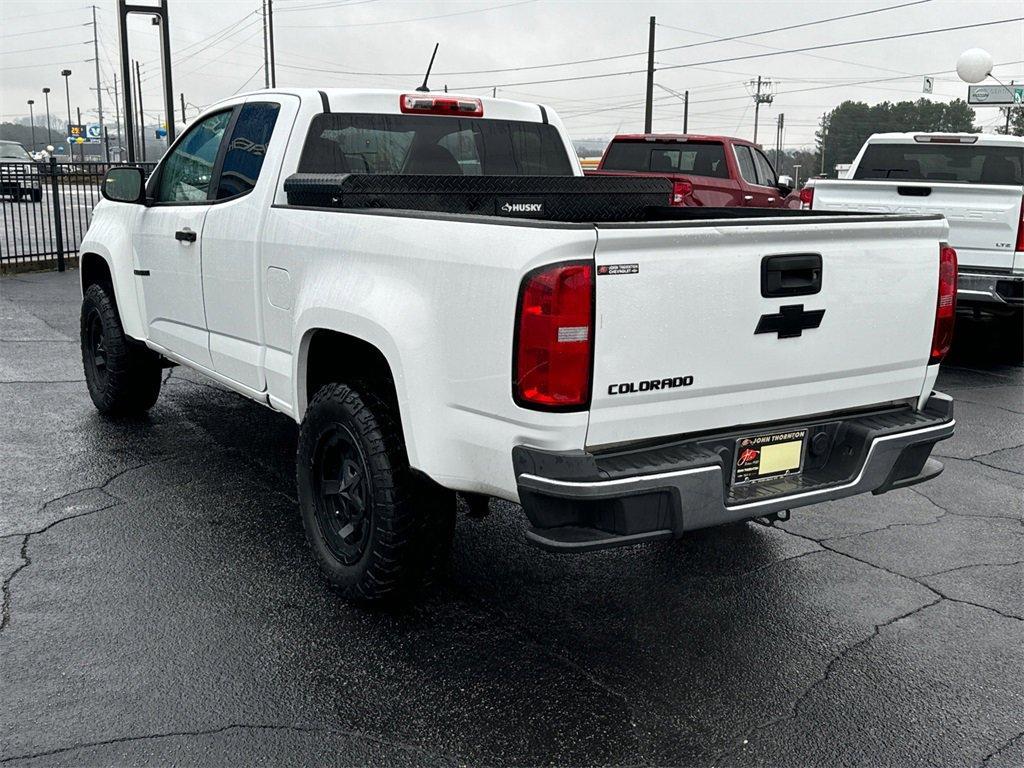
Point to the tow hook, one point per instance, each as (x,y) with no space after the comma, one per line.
(769,521)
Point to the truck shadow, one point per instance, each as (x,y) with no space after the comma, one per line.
(986,342)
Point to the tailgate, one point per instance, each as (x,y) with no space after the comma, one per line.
(983,218)
(677,306)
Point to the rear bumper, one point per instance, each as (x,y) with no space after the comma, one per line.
(580,501)
(989,290)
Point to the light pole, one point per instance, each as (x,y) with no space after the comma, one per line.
(66,73)
(796,171)
(49,136)
(32,120)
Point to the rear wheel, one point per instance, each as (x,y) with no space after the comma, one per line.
(379,531)
(123,376)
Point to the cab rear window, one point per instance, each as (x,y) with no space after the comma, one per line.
(432,144)
(695,158)
(963,163)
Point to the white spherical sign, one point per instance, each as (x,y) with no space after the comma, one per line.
(974,65)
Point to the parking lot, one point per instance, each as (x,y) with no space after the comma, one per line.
(160,604)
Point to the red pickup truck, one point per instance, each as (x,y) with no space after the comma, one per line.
(714,171)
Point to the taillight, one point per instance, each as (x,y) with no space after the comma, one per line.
(426,104)
(551,369)
(945,307)
(1020,229)
(807,197)
(680,190)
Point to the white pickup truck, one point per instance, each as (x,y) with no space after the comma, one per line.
(975,180)
(431,288)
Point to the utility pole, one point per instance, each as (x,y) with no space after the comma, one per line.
(183,120)
(142,117)
(761,98)
(266,49)
(686,111)
(81,147)
(99,92)
(1006,130)
(117,119)
(270,33)
(824,135)
(648,116)
(779,123)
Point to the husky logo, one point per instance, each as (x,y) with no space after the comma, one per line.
(521,208)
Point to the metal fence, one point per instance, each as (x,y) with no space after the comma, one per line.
(45,209)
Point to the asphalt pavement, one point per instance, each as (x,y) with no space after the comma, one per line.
(160,606)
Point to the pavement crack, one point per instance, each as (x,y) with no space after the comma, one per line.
(304,729)
(968,567)
(1008,743)
(41,381)
(26,561)
(916,580)
(823,678)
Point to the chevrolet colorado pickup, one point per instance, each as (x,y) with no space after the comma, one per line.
(714,171)
(429,286)
(975,180)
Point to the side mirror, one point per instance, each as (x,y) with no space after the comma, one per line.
(124,184)
(786,183)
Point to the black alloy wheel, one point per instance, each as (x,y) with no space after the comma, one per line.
(343,496)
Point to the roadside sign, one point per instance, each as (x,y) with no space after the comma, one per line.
(995,95)
(75,132)
(928,85)
(93,132)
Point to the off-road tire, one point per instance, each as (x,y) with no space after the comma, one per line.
(404,523)
(123,376)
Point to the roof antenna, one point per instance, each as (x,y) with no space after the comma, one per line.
(430,66)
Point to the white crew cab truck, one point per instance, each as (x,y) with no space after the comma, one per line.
(975,180)
(431,288)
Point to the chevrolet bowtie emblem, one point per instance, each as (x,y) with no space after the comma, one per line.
(790,322)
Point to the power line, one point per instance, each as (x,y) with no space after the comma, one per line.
(40,31)
(625,55)
(752,55)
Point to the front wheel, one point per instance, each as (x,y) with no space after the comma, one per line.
(123,376)
(379,531)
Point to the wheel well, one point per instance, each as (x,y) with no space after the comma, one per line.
(95,269)
(338,357)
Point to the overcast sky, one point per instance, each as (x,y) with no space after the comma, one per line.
(218,47)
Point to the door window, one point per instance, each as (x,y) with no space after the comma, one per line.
(746,162)
(188,170)
(765,173)
(246,149)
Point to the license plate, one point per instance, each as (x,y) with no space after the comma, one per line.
(767,457)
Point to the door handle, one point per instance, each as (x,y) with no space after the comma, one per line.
(185,235)
(771,199)
(797,274)
(748,198)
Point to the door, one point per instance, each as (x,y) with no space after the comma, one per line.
(231,256)
(768,181)
(168,242)
(758,193)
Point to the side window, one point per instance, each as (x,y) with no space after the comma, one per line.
(765,172)
(246,149)
(746,161)
(187,172)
